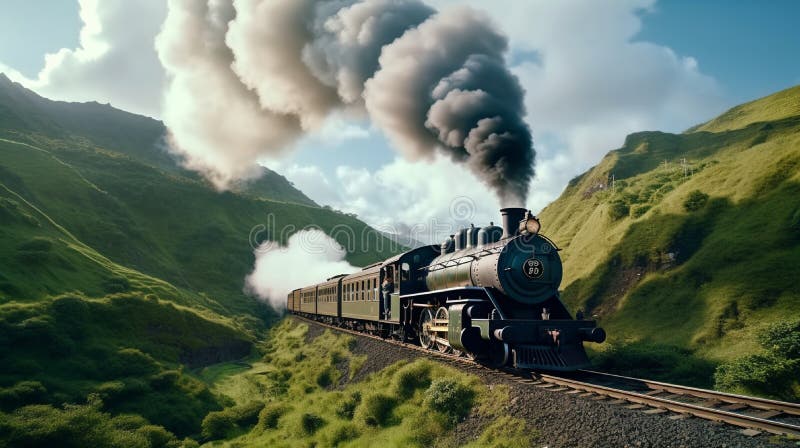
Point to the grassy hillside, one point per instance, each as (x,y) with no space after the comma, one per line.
(163,225)
(309,391)
(28,117)
(695,243)
(122,275)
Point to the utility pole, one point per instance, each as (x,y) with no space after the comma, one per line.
(685,167)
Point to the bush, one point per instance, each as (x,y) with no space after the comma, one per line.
(269,416)
(639,210)
(451,398)
(618,210)
(340,432)
(310,423)
(79,426)
(22,393)
(411,377)
(771,373)
(219,424)
(216,425)
(325,377)
(376,410)
(695,201)
(782,338)
(764,374)
(246,414)
(347,407)
(130,362)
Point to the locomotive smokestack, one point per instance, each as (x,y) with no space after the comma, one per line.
(511,218)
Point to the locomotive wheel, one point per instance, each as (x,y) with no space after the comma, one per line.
(442,318)
(426,336)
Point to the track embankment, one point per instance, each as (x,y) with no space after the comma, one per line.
(568,417)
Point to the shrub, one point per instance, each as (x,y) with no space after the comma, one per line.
(79,426)
(22,393)
(618,210)
(411,377)
(771,373)
(782,338)
(639,210)
(325,377)
(246,414)
(129,362)
(376,409)
(164,380)
(451,398)
(310,423)
(340,432)
(268,416)
(347,407)
(695,201)
(216,425)
(764,374)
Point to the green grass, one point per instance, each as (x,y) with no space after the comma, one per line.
(785,103)
(125,352)
(406,404)
(691,262)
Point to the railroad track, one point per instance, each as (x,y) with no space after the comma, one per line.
(753,414)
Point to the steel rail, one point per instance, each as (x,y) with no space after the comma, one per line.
(742,420)
(723,397)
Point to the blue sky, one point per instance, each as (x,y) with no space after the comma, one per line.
(594,71)
(751,47)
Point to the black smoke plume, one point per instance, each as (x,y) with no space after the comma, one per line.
(432,81)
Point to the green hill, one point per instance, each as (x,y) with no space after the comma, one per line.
(28,117)
(122,274)
(690,242)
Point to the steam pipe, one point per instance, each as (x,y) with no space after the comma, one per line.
(511,218)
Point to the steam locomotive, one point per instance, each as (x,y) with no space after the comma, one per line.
(489,293)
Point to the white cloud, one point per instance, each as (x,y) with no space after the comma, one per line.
(319,255)
(116,62)
(430,200)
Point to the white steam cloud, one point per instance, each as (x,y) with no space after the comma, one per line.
(317,255)
(246,78)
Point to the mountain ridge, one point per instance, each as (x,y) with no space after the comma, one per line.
(23,111)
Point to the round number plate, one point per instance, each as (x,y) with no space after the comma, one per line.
(533,268)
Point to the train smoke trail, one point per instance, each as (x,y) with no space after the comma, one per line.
(247,77)
(319,255)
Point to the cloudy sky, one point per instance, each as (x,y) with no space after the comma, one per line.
(257,78)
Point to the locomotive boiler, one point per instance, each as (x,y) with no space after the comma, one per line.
(490,293)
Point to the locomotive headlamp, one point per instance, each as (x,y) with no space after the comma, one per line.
(530,224)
